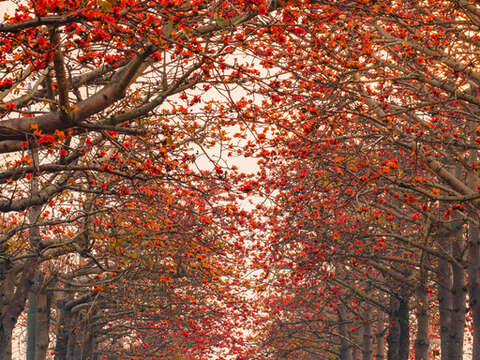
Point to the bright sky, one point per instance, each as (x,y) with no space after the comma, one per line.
(6,7)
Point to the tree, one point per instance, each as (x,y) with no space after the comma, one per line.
(109,96)
(372,109)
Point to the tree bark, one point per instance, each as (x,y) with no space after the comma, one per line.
(380,336)
(367,353)
(7,289)
(31,325)
(345,346)
(73,330)
(457,325)
(393,338)
(421,342)
(355,352)
(43,324)
(473,285)
(399,337)
(12,310)
(403,319)
(63,328)
(5,345)
(445,299)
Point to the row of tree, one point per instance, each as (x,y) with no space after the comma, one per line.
(115,243)
(372,180)
(364,238)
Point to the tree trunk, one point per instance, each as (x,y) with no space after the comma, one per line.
(12,310)
(34,237)
(403,320)
(89,344)
(380,336)
(457,325)
(445,299)
(73,330)
(399,337)
(421,342)
(80,337)
(43,324)
(75,348)
(31,325)
(345,346)
(6,293)
(367,353)
(5,345)
(62,336)
(355,352)
(473,285)
(393,338)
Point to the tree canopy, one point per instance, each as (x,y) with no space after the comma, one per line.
(132,228)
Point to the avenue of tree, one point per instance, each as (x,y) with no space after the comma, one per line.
(361,240)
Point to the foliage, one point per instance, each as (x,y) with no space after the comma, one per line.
(363,230)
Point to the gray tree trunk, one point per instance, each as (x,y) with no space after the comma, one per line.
(380,336)
(63,329)
(421,341)
(473,285)
(31,325)
(393,338)
(345,346)
(399,337)
(43,324)
(445,301)
(16,304)
(457,325)
(403,319)
(367,353)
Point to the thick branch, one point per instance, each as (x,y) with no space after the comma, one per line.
(39,198)
(17,129)
(46,20)
(362,295)
(61,75)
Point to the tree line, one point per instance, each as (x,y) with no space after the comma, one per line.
(362,237)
